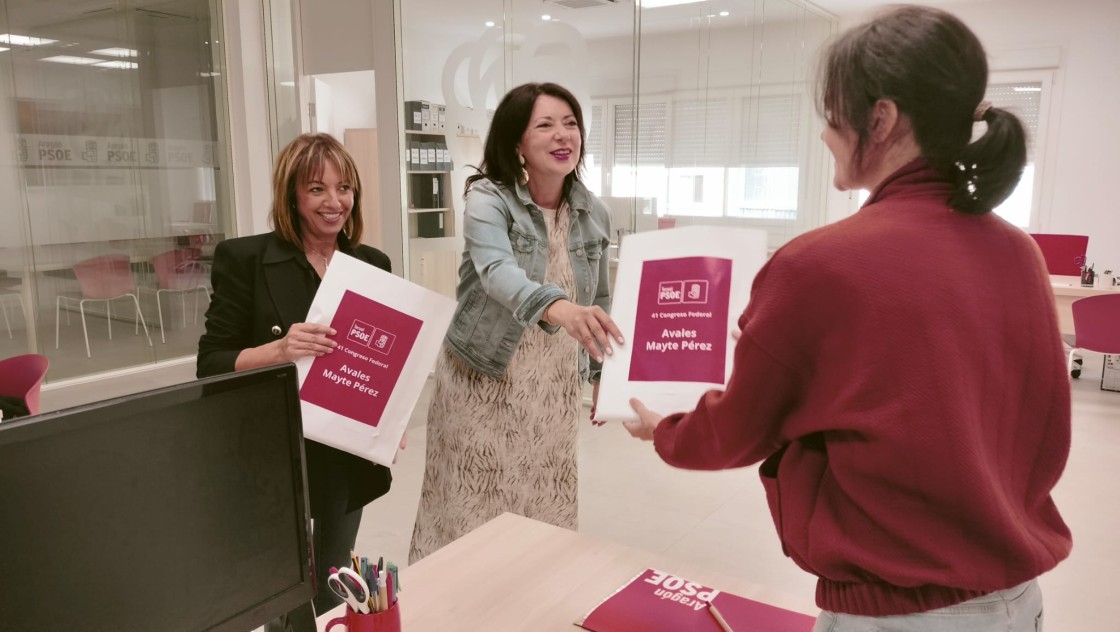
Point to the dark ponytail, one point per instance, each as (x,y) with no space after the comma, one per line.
(934,69)
(986,171)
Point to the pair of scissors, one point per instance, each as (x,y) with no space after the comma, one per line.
(350,587)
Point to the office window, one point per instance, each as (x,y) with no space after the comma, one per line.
(764,185)
(699,152)
(593,150)
(640,150)
(1024,98)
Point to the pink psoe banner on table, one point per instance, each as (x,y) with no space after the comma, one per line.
(656,601)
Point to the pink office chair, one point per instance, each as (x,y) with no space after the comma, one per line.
(179,271)
(22,376)
(103,279)
(1096,325)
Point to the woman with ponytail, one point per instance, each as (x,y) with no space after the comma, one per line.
(900,373)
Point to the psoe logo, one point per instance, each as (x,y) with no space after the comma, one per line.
(372,337)
(670,292)
(382,341)
(682,292)
(361,333)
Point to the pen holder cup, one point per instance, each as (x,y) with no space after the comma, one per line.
(388,621)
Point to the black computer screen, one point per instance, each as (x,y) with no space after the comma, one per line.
(178,509)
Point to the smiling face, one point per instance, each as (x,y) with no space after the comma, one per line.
(324,204)
(551,144)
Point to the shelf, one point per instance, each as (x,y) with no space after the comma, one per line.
(414,131)
(428,172)
(428,210)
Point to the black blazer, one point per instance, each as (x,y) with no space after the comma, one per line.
(262,286)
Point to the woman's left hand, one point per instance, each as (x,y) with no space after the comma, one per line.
(403,445)
(595,404)
(646,424)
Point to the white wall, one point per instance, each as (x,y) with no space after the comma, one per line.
(352,102)
(1083,140)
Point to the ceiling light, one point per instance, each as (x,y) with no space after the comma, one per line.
(2,49)
(290,84)
(70,59)
(654,4)
(209,74)
(489,24)
(24,40)
(115,52)
(1027,89)
(546,18)
(724,14)
(123,65)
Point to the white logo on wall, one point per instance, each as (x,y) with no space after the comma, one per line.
(682,292)
(372,337)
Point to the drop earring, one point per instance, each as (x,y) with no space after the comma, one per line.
(524,179)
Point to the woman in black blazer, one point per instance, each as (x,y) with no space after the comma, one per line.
(263,287)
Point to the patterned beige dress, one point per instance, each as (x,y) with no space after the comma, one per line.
(509,444)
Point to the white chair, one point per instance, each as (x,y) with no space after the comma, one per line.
(179,271)
(5,299)
(102,279)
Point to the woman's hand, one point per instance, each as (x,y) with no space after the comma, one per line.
(403,444)
(595,404)
(591,326)
(646,424)
(305,339)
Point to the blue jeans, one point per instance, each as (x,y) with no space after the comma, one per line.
(1017,609)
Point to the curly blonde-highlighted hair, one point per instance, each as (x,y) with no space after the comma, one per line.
(303,161)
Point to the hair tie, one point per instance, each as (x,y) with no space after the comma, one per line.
(981,110)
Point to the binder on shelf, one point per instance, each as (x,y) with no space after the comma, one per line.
(419,191)
(422,163)
(441,156)
(430,225)
(442,118)
(412,116)
(414,153)
(437,192)
(433,161)
(425,116)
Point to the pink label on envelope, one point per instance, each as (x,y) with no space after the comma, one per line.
(680,333)
(373,343)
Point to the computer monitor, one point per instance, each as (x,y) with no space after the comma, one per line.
(178,509)
(1064,254)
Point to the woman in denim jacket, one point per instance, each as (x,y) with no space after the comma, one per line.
(503,419)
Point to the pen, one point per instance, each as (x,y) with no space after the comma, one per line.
(390,593)
(396,577)
(382,594)
(718,617)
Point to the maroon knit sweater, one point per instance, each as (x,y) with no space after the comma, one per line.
(902,375)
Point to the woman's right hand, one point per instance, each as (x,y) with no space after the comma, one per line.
(305,339)
(591,326)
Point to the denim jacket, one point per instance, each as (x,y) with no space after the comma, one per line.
(501,289)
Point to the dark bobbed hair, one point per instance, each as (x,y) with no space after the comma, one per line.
(500,162)
(935,71)
(302,161)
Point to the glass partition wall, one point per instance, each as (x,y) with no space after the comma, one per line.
(114,173)
(698,112)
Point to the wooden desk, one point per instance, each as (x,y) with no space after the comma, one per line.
(517,574)
(1064,296)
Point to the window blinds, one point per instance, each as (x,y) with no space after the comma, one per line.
(770,132)
(1024,99)
(595,134)
(651,134)
(701,133)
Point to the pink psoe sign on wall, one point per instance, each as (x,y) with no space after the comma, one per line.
(680,330)
(356,380)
